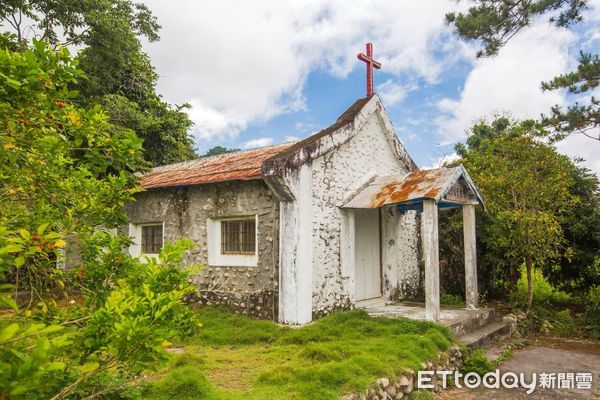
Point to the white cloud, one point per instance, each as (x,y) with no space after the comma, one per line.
(579,146)
(259,142)
(442,160)
(289,139)
(392,92)
(509,82)
(239,63)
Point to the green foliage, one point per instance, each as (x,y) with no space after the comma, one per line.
(476,361)
(578,269)
(592,313)
(577,117)
(119,75)
(543,292)
(185,383)
(119,335)
(217,150)
(552,312)
(338,354)
(451,299)
(59,163)
(66,173)
(527,185)
(63,169)
(28,354)
(78,22)
(494,23)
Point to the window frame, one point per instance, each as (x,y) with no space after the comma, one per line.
(241,231)
(214,238)
(162,237)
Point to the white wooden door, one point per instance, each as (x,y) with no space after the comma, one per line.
(367,254)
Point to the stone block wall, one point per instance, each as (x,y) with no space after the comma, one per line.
(185,212)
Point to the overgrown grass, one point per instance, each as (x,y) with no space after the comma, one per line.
(235,357)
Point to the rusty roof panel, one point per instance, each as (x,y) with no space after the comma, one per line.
(418,185)
(241,165)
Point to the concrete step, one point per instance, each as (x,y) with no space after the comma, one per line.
(472,322)
(487,335)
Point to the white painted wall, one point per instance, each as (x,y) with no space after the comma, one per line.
(216,258)
(295,257)
(335,175)
(400,253)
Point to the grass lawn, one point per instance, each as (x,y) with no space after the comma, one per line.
(234,357)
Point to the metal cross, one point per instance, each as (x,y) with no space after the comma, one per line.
(371,63)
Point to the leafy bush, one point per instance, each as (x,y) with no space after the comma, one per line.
(119,336)
(476,361)
(183,383)
(451,299)
(543,292)
(592,313)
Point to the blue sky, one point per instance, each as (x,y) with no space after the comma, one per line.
(265,72)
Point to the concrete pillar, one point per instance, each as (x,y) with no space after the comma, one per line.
(431,257)
(471,294)
(295,252)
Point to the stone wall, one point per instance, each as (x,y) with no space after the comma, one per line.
(184,213)
(334,176)
(400,254)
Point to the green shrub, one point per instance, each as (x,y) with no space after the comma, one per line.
(592,313)
(476,361)
(451,299)
(184,383)
(543,292)
(119,336)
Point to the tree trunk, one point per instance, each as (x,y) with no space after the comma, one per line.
(513,276)
(528,266)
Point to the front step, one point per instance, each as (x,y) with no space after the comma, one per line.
(487,334)
(474,321)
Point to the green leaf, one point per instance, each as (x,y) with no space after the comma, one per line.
(19,261)
(25,234)
(12,248)
(8,301)
(8,332)
(90,366)
(42,228)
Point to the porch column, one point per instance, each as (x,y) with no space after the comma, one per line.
(429,238)
(471,294)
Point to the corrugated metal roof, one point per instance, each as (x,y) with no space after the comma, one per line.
(241,165)
(425,184)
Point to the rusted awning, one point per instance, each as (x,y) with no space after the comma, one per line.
(449,187)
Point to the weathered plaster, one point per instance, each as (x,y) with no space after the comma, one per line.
(400,253)
(335,175)
(431,254)
(470,256)
(185,213)
(296,250)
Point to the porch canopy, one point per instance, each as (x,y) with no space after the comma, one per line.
(427,191)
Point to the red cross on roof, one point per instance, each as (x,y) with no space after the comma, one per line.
(371,63)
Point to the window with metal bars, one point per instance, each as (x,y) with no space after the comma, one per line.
(238,236)
(152,239)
